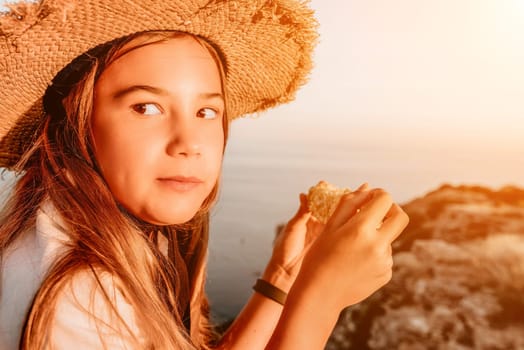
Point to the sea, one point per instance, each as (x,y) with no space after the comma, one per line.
(262,180)
(263,177)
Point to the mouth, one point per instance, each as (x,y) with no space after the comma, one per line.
(180,183)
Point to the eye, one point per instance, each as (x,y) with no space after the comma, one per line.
(147,109)
(207,113)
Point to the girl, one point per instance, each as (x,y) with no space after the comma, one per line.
(116,116)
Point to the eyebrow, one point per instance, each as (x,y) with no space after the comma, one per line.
(158,91)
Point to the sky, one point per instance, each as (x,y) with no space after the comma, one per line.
(444,74)
(420,71)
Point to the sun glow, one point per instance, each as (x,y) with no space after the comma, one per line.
(517,7)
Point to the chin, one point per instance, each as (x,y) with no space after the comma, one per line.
(169,217)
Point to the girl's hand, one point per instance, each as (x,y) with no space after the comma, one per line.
(353,257)
(290,246)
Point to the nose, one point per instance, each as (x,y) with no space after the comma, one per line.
(184,139)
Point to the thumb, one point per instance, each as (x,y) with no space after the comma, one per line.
(303,207)
(302,214)
(294,232)
(303,202)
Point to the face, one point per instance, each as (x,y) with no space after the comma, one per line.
(157,129)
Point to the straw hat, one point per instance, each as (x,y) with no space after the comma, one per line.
(267,46)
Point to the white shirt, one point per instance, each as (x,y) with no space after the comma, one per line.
(24,267)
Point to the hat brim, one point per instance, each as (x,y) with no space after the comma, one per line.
(267,47)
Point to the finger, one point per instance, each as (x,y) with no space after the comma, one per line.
(292,229)
(303,203)
(363,187)
(395,222)
(346,208)
(302,209)
(314,229)
(377,207)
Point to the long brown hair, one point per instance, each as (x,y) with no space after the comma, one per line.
(104,238)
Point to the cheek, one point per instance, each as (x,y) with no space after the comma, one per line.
(119,152)
(117,141)
(103,133)
(217,151)
(108,145)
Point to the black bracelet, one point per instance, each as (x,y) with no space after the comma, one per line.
(270,291)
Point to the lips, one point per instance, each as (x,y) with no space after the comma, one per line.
(180,183)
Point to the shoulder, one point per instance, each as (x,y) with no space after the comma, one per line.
(23,267)
(93,313)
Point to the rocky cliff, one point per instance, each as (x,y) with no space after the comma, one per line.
(458,280)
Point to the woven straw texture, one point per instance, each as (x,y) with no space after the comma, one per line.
(267,45)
